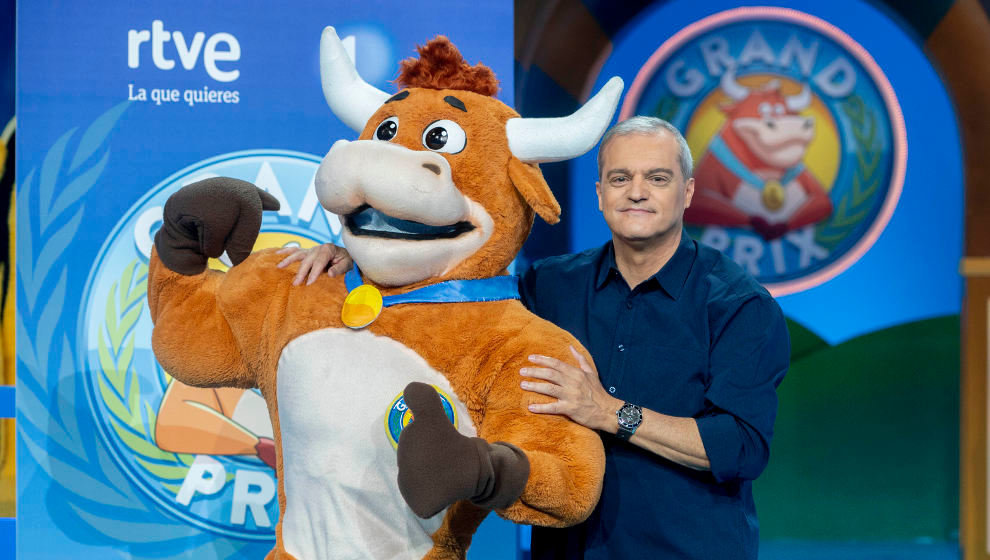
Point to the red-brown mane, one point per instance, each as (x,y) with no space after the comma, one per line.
(441,66)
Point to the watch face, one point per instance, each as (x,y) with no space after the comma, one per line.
(630,416)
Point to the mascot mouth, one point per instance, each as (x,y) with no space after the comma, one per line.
(369,222)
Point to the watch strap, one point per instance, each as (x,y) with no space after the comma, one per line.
(624,433)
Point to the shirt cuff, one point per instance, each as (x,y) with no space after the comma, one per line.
(720,436)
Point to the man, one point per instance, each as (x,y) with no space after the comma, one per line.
(678,329)
(689,351)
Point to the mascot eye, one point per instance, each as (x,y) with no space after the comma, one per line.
(386,131)
(444,136)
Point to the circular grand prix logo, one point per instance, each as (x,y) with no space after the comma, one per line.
(205,455)
(399,415)
(798,140)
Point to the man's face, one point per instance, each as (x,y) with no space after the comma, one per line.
(642,192)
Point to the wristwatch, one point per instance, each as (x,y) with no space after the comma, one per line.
(630,417)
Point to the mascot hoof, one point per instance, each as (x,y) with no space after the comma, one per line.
(439,466)
(205,218)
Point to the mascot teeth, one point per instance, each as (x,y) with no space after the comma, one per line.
(373,223)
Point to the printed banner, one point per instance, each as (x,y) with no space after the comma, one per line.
(119,108)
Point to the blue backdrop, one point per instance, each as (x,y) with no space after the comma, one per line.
(118,105)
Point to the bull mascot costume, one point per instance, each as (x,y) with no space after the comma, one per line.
(394,394)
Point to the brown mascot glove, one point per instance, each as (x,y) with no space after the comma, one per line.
(438,466)
(205,218)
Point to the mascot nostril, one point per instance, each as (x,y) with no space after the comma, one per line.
(428,319)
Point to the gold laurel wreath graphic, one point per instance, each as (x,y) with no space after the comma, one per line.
(120,384)
(858,201)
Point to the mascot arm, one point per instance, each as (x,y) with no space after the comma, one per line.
(566,460)
(530,468)
(201,334)
(192,338)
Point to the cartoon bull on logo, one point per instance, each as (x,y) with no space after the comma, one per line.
(752,174)
(436,196)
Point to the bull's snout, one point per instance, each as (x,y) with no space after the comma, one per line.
(403,183)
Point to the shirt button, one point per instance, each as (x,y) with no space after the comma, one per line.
(628,304)
(622,348)
(611,389)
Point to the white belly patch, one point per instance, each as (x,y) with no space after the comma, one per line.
(335,391)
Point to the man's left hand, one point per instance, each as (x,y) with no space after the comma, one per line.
(579,393)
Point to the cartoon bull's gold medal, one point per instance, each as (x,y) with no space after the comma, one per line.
(361,307)
(773,195)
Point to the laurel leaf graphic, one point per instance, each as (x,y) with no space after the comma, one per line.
(66,409)
(51,313)
(78,187)
(81,483)
(87,486)
(116,355)
(52,251)
(50,168)
(97,132)
(667,108)
(855,204)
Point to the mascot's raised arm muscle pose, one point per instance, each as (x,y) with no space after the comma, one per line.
(436,197)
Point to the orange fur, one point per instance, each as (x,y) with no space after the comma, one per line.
(229,330)
(253,311)
(441,66)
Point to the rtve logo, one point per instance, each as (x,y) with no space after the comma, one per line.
(188,53)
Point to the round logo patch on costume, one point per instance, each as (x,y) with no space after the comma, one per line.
(399,416)
(798,140)
(166,436)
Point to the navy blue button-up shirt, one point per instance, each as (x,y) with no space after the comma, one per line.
(700,339)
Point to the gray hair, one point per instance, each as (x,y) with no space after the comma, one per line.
(648,125)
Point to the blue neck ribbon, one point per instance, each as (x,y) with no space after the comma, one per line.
(496,288)
(722,153)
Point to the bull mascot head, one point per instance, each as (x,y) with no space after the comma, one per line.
(752,174)
(443,181)
(768,122)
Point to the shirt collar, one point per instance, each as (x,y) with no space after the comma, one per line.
(671,276)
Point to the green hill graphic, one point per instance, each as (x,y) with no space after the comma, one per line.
(867,437)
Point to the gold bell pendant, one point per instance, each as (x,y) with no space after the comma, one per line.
(773,195)
(361,307)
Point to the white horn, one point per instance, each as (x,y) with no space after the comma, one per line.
(801,100)
(350,98)
(731,87)
(557,139)
(349,44)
